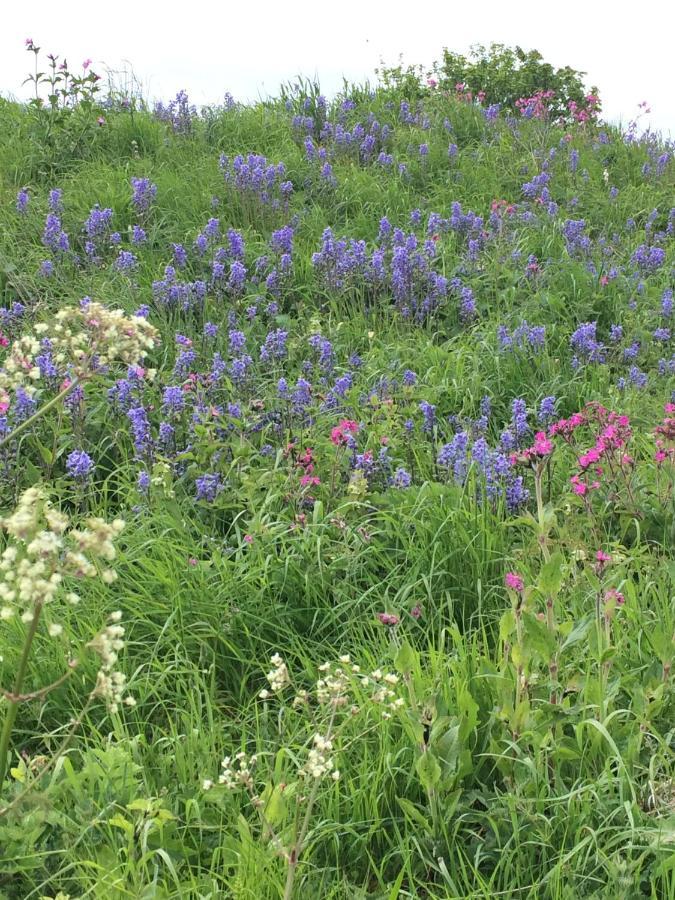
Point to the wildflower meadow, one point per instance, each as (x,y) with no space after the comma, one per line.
(337,454)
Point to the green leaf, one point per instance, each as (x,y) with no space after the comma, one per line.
(406,659)
(539,638)
(429,770)
(467,709)
(447,747)
(413,813)
(274,804)
(118,821)
(507,625)
(578,633)
(551,576)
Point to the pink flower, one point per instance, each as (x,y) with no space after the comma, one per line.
(579,487)
(542,446)
(514,582)
(614,596)
(416,611)
(248,538)
(343,431)
(100,120)
(86,64)
(310,481)
(388,618)
(192,561)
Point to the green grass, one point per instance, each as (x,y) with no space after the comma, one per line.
(531,800)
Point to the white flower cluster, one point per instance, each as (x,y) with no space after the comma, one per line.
(334,685)
(237,772)
(319,762)
(277,676)
(340,685)
(110,683)
(381,686)
(44,552)
(79,335)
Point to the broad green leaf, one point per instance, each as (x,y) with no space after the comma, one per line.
(429,770)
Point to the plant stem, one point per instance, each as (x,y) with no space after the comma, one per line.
(40,412)
(296,849)
(18,684)
(58,753)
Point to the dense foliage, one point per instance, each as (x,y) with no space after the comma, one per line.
(505,75)
(336,461)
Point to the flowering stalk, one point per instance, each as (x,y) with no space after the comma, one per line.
(44,551)
(299,842)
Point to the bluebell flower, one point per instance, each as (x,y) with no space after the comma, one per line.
(79,465)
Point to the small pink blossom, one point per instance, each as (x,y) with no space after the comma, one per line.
(248,538)
(514,582)
(343,431)
(388,618)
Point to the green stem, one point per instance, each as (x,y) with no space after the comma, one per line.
(298,844)
(36,415)
(18,684)
(58,753)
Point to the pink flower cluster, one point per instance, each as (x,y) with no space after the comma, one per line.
(587,113)
(609,448)
(342,432)
(566,427)
(665,435)
(536,106)
(463,93)
(514,582)
(305,462)
(541,448)
(502,206)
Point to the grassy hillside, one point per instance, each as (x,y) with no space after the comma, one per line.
(391,398)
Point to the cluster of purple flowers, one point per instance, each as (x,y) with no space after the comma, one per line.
(179,113)
(253,176)
(144,193)
(524,337)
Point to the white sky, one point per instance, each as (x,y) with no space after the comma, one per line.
(212,46)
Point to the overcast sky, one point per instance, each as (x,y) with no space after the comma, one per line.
(211,46)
